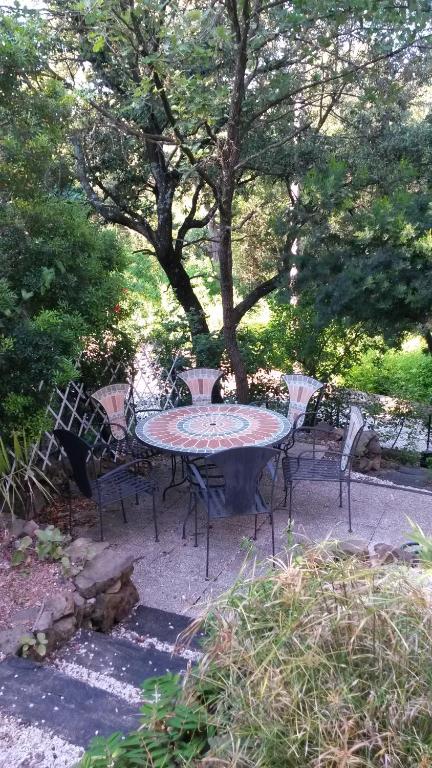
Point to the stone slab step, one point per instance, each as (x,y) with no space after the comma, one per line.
(119,658)
(164,625)
(42,696)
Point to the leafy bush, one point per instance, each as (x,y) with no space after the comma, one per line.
(406,375)
(172,733)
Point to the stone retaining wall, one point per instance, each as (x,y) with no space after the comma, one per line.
(98,594)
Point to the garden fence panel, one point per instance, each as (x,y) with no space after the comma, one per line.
(72,407)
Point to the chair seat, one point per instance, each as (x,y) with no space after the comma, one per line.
(120,485)
(296,468)
(215,497)
(133,447)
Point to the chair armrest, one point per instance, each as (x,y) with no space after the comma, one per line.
(197,476)
(125,466)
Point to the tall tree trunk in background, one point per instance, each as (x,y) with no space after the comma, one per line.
(428,337)
(229,157)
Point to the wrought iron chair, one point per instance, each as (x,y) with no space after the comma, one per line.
(227,485)
(116,400)
(332,467)
(113,486)
(200,382)
(301,390)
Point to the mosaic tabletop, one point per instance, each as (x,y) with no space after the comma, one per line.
(208,428)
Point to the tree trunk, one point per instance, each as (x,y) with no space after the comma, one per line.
(183,291)
(227,295)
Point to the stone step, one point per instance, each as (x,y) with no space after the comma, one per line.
(90,687)
(118,658)
(166,626)
(45,697)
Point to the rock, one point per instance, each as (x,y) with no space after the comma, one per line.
(114,587)
(30,528)
(17,528)
(350,547)
(111,608)
(62,631)
(78,600)
(368,452)
(386,553)
(10,640)
(43,622)
(102,572)
(84,549)
(59,605)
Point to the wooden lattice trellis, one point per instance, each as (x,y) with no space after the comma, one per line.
(72,408)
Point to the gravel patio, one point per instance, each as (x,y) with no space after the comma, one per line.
(170,574)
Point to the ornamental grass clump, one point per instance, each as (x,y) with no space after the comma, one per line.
(325,662)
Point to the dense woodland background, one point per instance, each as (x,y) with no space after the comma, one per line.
(249,181)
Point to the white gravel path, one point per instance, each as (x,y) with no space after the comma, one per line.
(99,680)
(27,746)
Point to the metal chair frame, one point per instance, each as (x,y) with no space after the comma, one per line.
(126,444)
(333,467)
(116,485)
(227,485)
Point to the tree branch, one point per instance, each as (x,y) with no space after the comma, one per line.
(108,212)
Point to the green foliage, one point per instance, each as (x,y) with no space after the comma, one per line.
(322,663)
(367,250)
(61,274)
(20,476)
(172,733)
(48,546)
(21,548)
(37,642)
(406,375)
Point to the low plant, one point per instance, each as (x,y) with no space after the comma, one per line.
(173,732)
(20,476)
(322,663)
(37,642)
(48,546)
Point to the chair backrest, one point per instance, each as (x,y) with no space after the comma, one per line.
(301,389)
(200,382)
(77,452)
(113,400)
(354,429)
(242,469)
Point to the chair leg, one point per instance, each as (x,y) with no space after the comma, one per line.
(349,507)
(273,537)
(255,529)
(286,492)
(207,548)
(187,517)
(290,503)
(136,499)
(70,514)
(196,522)
(155,518)
(100,522)
(340,494)
(123,511)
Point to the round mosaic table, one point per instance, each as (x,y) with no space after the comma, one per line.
(204,429)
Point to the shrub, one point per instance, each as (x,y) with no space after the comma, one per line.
(323,663)
(407,375)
